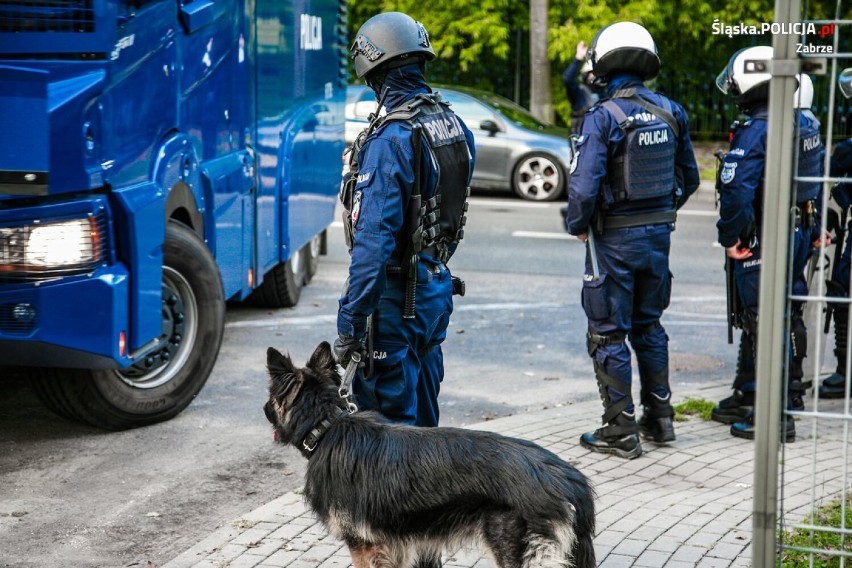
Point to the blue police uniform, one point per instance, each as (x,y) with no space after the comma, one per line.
(740,211)
(834,386)
(634,287)
(581,97)
(841,166)
(408,361)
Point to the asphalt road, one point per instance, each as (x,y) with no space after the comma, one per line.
(71,495)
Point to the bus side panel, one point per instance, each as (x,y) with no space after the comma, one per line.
(299,124)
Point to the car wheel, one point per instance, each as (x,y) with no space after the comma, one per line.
(538,177)
(169,377)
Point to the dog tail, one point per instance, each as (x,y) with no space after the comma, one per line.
(584,551)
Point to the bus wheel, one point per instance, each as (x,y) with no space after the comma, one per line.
(311,252)
(166,379)
(282,286)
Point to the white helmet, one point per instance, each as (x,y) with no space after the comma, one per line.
(751,86)
(845,82)
(624,46)
(803,98)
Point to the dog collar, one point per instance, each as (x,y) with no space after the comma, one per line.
(312,439)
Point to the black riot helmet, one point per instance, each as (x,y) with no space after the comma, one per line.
(387,40)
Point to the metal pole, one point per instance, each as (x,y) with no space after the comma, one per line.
(771,342)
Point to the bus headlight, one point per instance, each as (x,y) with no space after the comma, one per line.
(61,244)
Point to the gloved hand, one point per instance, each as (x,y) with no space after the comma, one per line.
(344,347)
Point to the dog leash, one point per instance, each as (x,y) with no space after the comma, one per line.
(345,389)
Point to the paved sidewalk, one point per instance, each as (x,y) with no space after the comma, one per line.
(683,505)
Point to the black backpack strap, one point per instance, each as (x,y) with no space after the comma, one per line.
(616,112)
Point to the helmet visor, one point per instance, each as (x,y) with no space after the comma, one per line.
(724,82)
(845,82)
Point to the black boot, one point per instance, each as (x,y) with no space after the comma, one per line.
(618,437)
(834,385)
(618,434)
(745,429)
(657,417)
(737,406)
(799,351)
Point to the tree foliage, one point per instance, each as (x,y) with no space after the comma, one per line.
(485,44)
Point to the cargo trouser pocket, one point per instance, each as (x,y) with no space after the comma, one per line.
(595,298)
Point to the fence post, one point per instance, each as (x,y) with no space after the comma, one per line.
(772,324)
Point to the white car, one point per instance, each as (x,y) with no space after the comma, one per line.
(514,150)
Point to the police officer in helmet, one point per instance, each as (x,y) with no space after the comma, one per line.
(406,202)
(741,187)
(635,168)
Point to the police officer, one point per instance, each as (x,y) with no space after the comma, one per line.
(406,201)
(581,94)
(741,197)
(834,386)
(737,407)
(635,168)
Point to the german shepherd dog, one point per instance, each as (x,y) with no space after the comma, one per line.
(398,495)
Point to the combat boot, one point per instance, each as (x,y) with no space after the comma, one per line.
(745,429)
(618,437)
(737,406)
(834,385)
(657,419)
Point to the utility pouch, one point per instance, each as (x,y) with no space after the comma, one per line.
(458,286)
(347,200)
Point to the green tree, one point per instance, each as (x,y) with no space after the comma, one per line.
(485,44)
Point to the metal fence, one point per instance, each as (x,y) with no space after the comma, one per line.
(791,495)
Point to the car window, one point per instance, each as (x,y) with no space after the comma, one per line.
(514,112)
(471,111)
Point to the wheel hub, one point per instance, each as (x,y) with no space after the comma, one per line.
(174,324)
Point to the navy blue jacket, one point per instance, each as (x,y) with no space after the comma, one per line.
(385,182)
(741,181)
(742,177)
(841,166)
(600,141)
(579,95)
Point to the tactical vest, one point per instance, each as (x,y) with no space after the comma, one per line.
(810,160)
(644,167)
(441,217)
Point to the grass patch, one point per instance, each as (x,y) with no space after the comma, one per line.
(828,516)
(693,407)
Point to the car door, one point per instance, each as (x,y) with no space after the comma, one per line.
(489,131)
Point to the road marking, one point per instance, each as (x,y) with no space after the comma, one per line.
(542,235)
(283,322)
(510,203)
(697,213)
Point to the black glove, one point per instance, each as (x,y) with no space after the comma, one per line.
(344,347)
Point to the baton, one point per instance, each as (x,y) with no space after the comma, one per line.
(593,254)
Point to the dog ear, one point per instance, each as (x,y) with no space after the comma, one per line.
(278,363)
(322,359)
(285,380)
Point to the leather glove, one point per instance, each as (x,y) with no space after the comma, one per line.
(344,347)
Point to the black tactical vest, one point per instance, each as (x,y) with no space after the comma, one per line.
(441,218)
(644,167)
(444,212)
(810,159)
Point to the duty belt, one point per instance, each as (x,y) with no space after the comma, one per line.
(624,221)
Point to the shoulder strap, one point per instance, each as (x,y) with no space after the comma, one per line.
(664,112)
(615,111)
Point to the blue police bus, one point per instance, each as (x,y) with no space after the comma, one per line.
(158,158)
